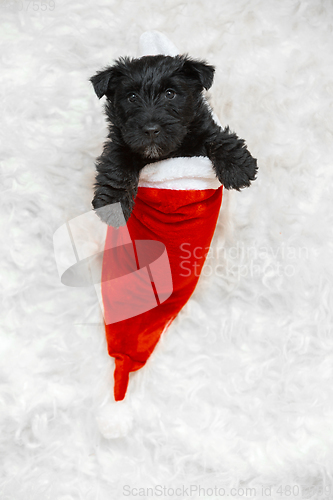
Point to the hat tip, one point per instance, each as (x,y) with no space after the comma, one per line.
(152,43)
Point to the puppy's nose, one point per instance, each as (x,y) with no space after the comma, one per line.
(152,130)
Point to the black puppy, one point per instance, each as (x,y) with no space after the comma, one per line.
(156,110)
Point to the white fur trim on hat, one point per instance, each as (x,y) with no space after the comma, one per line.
(180,173)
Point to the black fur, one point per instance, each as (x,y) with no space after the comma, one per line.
(155,111)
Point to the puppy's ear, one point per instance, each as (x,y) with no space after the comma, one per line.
(106,81)
(101,81)
(199,70)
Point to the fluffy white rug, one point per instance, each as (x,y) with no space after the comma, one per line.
(239,392)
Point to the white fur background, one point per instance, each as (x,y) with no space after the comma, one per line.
(239,392)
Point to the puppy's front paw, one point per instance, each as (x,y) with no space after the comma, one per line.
(112,215)
(233,163)
(238,174)
(113,212)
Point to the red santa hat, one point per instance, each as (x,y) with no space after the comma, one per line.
(151,266)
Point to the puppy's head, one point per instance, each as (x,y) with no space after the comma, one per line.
(153,100)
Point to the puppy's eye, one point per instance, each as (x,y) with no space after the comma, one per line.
(132,97)
(170,94)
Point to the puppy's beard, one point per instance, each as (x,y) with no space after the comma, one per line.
(152,151)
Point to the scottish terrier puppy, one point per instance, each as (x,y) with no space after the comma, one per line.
(156,110)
